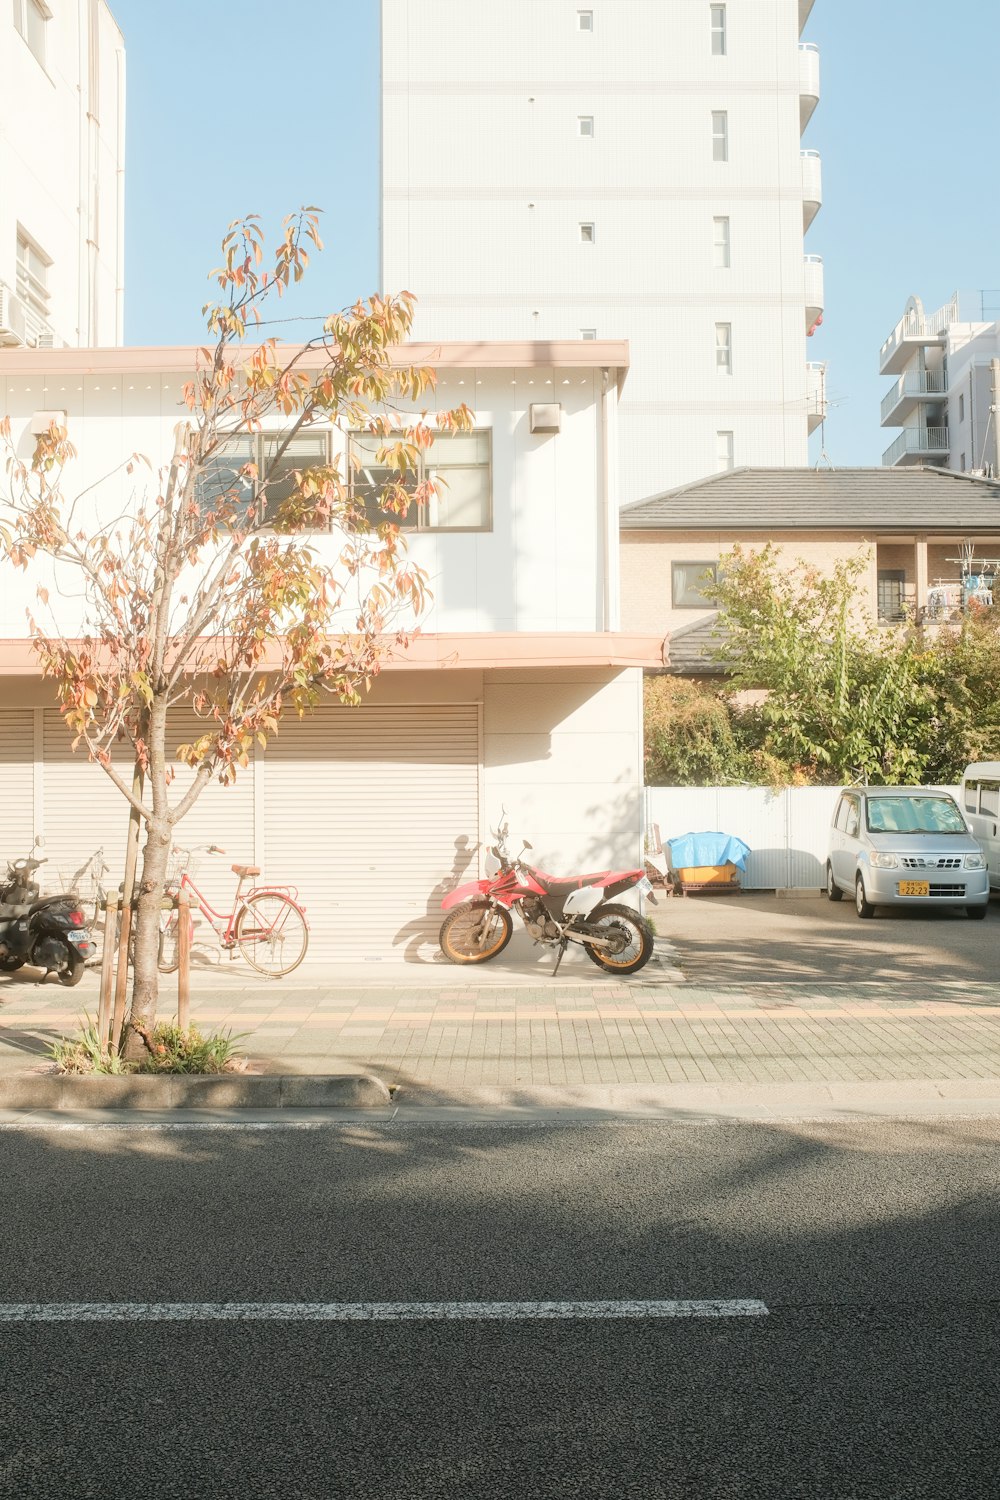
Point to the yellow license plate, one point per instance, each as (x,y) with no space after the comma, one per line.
(913,888)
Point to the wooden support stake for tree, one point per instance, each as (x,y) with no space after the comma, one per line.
(183,961)
(107,971)
(121,978)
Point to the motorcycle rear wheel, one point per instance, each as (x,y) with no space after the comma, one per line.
(636,935)
(475,932)
(72,970)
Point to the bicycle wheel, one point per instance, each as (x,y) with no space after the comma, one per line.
(169,957)
(271,933)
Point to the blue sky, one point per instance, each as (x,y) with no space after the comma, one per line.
(906,128)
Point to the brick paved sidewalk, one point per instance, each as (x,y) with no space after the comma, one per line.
(628,1033)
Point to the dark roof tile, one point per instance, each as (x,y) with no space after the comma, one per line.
(865,500)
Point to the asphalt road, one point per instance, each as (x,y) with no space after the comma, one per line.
(873,1373)
(756,938)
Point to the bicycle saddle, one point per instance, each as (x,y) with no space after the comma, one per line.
(243,871)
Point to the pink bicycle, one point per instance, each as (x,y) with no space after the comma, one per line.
(267,925)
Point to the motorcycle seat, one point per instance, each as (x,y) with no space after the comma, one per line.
(602,878)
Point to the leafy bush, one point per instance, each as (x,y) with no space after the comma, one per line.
(169,1049)
(689,739)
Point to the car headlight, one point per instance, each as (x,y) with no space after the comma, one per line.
(975,862)
(884,861)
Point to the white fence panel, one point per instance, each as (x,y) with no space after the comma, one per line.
(787,830)
(810,811)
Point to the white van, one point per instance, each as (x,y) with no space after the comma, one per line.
(980,798)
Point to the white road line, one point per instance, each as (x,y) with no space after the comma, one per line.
(367,1312)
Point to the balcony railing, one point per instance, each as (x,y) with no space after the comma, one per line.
(915,385)
(922,441)
(916,324)
(812,186)
(808,81)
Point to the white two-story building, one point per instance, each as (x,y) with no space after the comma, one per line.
(520,692)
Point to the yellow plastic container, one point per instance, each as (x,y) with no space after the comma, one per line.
(726,874)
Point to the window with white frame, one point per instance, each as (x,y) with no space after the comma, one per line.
(32,274)
(718,17)
(588,233)
(724,348)
(30,18)
(588,334)
(723,451)
(585,126)
(720,135)
(585,20)
(689,580)
(720,243)
(460,463)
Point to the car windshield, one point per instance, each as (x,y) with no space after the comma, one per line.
(914,815)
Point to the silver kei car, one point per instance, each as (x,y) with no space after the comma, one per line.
(904,845)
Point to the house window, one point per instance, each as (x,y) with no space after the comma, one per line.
(460,461)
(961,411)
(723,451)
(588,334)
(720,135)
(585,20)
(585,126)
(891,594)
(29,21)
(689,581)
(588,233)
(718,15)
(720,243)
(222,480)
(724,348)
(32,275)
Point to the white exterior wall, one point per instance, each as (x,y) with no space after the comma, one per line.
(486,180)
(62,165)
(973,432)
(542,566)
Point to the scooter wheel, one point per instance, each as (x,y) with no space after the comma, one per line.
(10,965)
(72,971)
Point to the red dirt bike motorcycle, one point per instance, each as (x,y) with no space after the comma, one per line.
(556,912)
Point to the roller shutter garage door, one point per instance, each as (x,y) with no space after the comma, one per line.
(17,813)
(84,810)
(373,812)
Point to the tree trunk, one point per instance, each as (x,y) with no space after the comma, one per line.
(145,988)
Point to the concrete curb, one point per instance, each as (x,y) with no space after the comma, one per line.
(224,1091)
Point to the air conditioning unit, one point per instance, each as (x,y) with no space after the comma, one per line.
(13,323)
(46,340)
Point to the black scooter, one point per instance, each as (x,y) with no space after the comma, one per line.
(48,932)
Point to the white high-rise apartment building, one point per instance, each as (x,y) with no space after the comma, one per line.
(62,165)
(624,169)
(947,387)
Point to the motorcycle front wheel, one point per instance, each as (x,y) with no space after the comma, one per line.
(633,940)
(475,932)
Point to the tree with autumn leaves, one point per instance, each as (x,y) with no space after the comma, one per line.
(209,589)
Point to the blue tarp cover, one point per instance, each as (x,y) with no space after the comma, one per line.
(707,849)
